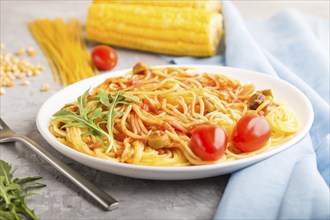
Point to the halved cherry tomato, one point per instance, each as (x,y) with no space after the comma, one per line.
(104,57)
(208,142)
(251,132)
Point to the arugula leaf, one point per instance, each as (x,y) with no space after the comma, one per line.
(4,171)
(13,194)
(5,215)
(104,98)
(87,117)
(27,179)
(111,118)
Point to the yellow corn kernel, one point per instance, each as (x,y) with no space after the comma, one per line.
(20,52)
(45,87)
(31,51)
(2,91)
(10,84)
(214,5)
(165,30)
(25,83)
(40,67)
(20,75)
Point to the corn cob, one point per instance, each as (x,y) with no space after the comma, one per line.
(165,30)
(209,5)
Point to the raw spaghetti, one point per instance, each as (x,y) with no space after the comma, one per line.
(64,49)
(169,102)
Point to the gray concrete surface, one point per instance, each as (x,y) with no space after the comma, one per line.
(139,199)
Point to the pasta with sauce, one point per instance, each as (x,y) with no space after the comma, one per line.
(147,116)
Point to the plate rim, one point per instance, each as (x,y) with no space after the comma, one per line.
(256,158)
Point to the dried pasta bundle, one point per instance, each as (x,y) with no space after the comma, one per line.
(151,27)
(64,49)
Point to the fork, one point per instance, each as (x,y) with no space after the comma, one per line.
(106,201)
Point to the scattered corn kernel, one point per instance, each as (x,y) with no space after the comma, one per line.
(25,83)
(35,72)
(31,51)
(12,68)
(29,73)
(45,87)
(2,91)
(20,52)
(10,84)
(20,75)
(40,68)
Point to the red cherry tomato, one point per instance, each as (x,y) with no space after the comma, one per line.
(104,57)
(251,133)
(208,142)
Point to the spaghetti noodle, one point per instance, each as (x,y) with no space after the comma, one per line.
(64,49)
(154,110)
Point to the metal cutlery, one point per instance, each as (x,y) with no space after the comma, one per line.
(106,201)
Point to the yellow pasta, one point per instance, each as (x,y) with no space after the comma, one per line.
(64,49)
(152,123)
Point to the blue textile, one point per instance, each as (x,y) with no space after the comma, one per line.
(295,183)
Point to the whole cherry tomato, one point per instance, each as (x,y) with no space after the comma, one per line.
(251,132)
(208,142)
(104,57)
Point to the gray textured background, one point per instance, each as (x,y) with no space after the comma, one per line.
(139,199)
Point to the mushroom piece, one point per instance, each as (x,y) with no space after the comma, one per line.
(255,101)
(140,68)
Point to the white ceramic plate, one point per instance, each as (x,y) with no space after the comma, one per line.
(281,90)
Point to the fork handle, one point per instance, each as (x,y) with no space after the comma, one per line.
(100,196)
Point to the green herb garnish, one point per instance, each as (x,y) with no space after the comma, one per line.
(91,118)
(13,193)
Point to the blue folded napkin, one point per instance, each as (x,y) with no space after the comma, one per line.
(295,183)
